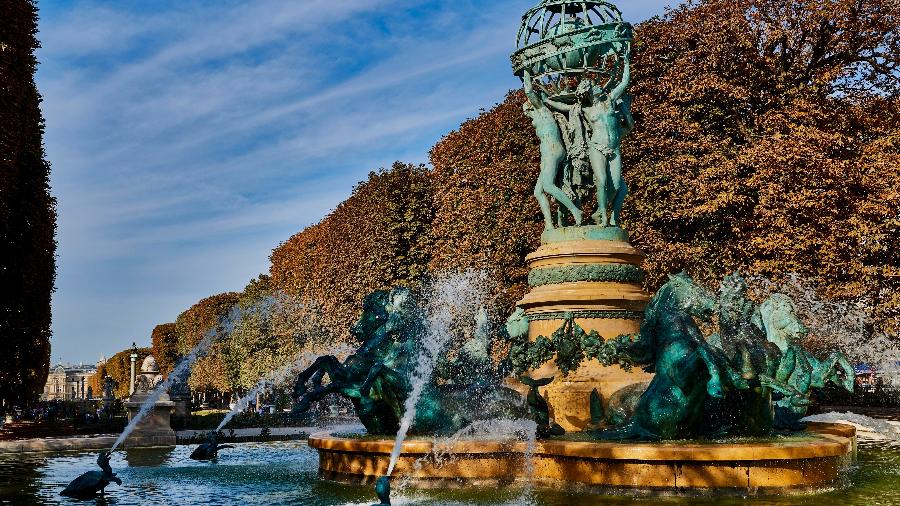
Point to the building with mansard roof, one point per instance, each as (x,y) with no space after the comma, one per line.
(69,382)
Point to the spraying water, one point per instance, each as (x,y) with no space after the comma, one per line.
(844,325)
(493,430)
(276,378)
(451,300)
(179,373)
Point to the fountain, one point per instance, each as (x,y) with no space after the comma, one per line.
(150,409)
(625,391)
(601,387)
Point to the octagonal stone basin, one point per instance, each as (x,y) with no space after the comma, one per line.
(812,460)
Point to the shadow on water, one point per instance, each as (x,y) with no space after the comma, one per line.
(285,473)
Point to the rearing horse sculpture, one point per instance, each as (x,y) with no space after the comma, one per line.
(670,344)
(376,377)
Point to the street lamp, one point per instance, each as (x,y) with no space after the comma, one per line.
(134,356)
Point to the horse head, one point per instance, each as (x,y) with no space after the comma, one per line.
(687,296)
(778,318)
(385,313)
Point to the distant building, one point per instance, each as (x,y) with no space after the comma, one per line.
(69,382)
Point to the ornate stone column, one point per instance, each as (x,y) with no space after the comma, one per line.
(595,273)
(134,357)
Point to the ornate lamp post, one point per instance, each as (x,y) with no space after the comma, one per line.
(134,356)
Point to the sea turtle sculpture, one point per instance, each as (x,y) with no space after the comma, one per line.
(89,484)
(383,491)
(538,409)
(210,449)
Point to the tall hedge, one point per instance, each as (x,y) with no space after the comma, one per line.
(165,346)
(377,238)
(27,213)
(211,315)
(485,213)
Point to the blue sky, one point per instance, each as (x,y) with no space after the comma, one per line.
(190,138)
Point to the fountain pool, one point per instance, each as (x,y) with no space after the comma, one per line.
(286,473)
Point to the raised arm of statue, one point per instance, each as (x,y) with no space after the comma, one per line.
(619,90)
(557,105)
(533,96)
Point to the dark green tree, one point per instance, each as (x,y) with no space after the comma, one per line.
(27,212)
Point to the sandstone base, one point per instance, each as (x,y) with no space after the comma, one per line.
(814,462)
(595,274)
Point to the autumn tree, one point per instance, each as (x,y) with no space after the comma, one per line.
(212,318)
(767,142)
(377,238)
(118,367)
(27,213)
(165,346)
(485,212)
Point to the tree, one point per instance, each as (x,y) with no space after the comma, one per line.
(767,142)
(485,214)
(377,238)
(27,213)
(118,367)
(165,346)
(212,317)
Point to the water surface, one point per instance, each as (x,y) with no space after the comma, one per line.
(264,474)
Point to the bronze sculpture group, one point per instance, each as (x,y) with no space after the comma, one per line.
(376,378)
(575,77)
(750,378)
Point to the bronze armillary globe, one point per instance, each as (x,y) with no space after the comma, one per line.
(562,41)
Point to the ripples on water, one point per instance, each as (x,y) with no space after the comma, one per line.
(285,473)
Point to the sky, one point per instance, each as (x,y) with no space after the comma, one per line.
(189,138)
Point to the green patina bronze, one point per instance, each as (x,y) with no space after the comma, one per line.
(574,58)
(538,409)
(619,273)
(570,345)
(584,233)
(609,314)
(376,378)
(209,449)
(747,379)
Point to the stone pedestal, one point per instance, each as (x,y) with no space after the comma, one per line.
(596,274)
(182,408)
(155,429)
(180,394)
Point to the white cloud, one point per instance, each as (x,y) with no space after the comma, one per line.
(188,139)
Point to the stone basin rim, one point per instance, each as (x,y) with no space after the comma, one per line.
(831,440)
